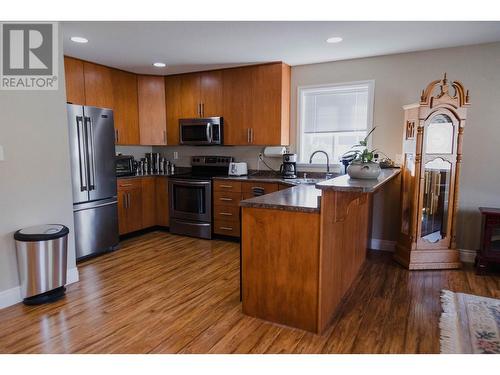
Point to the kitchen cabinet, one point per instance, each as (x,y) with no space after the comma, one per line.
(130,202)
(226,199)
(152,112)
(270,104)
(173,103)
(201,94)
(211,93)
(190,96)
(98,85)
(256,105)
(125,111)
(142,203)
(75,81)
(148,202)
(237,103)
(161,195)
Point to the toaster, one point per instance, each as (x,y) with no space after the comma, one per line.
(238,169)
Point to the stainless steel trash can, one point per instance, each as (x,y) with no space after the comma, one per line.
(42,253)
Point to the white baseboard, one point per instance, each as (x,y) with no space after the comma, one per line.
(12,296)
(382,245)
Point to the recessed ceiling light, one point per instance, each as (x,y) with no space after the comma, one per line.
(334,39)
(159,64)
(79,39)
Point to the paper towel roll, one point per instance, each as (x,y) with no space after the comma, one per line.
(274,152)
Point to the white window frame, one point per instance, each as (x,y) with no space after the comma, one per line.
(298,135)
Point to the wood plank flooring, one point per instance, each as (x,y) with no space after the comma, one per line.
(162,293)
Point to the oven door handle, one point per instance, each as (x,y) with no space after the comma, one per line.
(189,183)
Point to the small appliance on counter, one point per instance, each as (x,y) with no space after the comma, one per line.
(238,169)
(289,167)
(125,165)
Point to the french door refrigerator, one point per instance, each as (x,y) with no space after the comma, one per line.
(92,155)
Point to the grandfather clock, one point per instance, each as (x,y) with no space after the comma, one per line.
(432,152)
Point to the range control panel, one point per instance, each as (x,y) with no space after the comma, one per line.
(212,161)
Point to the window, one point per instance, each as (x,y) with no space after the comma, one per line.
(333,118)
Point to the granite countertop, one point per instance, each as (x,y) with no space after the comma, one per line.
(345,183)
(303,198)
(307,197)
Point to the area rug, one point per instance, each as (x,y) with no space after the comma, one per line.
(469,324)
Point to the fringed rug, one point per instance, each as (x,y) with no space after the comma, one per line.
(469,324)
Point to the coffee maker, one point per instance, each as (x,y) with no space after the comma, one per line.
(289,167)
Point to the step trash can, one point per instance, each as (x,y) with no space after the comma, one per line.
(42,253)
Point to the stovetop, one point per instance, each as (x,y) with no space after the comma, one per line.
(206,168)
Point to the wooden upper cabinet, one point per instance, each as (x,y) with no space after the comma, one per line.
(237,105)
(190,96)
(75,82)
(98,85)
(211,93)
(152,112)
(271,105)
(125,107)
(173,103)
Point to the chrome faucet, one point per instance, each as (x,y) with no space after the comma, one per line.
(328,174)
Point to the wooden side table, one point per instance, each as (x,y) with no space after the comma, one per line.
(489,251)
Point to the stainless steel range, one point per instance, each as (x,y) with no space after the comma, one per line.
(190,196)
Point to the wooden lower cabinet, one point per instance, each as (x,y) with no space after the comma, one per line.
(129,205)
(161,194)
(226,202)
(142,203)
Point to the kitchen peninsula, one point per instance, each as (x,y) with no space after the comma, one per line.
(303,247)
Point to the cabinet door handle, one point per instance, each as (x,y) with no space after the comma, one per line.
(128,199)
(226,214)
(226,228)
(116,135)
(124,185)
(226,186)
(125,201)
(248,135)
(226,199)
(251,135)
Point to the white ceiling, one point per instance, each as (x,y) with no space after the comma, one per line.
(195,46)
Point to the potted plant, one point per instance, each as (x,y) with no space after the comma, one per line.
(361,164)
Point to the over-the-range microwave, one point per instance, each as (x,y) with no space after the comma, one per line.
(201,131)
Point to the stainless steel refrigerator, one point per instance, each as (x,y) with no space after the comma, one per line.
(92,153)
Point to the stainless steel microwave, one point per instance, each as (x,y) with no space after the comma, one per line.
(201,131)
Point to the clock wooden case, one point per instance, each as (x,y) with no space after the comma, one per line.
(432,155)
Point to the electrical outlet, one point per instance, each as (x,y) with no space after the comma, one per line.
(176,155)
(2,157)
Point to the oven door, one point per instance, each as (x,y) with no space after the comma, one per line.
(190,199)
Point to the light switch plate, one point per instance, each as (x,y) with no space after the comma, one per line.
(176,155)
(2,156)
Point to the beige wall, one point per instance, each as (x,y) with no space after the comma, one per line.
(399,80)
(35,181)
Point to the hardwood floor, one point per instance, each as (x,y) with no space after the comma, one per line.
(162,293)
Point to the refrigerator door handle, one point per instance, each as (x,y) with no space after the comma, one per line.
(82,146)
(91,153)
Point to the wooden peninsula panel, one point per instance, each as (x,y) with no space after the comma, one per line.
(280,279)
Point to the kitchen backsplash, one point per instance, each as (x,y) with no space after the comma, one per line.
(248,154)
